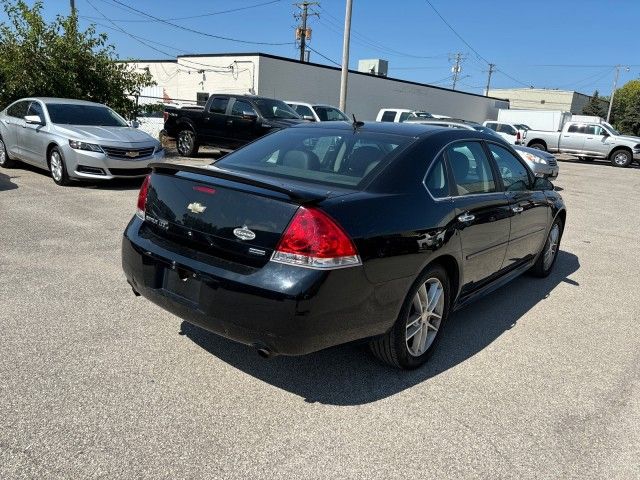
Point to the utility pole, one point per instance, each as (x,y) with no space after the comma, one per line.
(457,67)
(73,6)
(302,31)
(613,91)
(492,66)
(345,56)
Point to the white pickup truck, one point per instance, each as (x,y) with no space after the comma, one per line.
(588,140)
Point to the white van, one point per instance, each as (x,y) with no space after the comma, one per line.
(400,114)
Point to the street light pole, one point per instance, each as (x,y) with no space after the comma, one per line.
(613,91)
(345,57)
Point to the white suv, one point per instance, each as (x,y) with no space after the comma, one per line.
(508,131)
(318,113)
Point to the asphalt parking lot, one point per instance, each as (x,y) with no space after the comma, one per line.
(539,380)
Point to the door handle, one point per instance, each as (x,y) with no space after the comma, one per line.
(229,122)
(517,209)
(466,217)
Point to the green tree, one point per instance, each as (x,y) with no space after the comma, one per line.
(57,59)
(625,113)
(595,106)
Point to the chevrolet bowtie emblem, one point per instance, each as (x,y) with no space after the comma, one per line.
(196,207)
(132,154)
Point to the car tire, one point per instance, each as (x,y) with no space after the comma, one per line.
(186,143)
(58,168)
(547,257)
(621,158)
(5,161)
(538,146)
(417,330)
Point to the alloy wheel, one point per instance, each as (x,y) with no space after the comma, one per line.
(56,166)
(3,153)
(185,141)
(425,317)
(621,159)
(552,246)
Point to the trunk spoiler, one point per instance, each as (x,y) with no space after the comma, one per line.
(297,195)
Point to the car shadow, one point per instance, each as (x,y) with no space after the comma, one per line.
(349,375)
(6,183)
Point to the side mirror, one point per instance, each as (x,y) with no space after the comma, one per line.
(542,184)
(605,133)
(134,124)
(308,118)
(247,115)
(33,120)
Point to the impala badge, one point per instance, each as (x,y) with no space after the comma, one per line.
(244,233)
(132,154)
(196,207)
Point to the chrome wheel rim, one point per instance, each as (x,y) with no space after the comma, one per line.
(425,317)
(3,153)
(56,166)
(552,246)
(620,158)
(185,141)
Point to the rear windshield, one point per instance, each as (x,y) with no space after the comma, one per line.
(330,114)
(330,157)
(93,115)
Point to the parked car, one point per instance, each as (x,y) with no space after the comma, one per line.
(227,122)
(317,112)
(508,131)
(326,233)
(74,140)
(542,164)
(400,114)
(589,140)
(151,123)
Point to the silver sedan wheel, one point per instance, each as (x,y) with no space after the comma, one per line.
(551,248)
(621,158)
(425,317)
(56,166)
(3,153)
(185,141)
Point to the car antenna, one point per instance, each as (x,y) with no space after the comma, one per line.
(356,124)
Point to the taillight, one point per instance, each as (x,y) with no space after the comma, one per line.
(315,240)
(142,197)
(518,135)
(165,116)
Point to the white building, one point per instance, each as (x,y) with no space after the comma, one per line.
(544,99)
(192,78)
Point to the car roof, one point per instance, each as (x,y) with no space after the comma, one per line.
(390,128)
(65,101)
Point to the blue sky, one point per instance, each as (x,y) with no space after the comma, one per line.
(567,44)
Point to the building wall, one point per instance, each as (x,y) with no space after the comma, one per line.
(181,80)
(367,94)
(544,99)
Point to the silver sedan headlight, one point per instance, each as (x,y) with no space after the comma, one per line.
(78,145)
(533,158)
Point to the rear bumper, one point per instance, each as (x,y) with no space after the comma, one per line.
(287,309)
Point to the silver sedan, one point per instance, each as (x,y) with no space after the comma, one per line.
(74,139)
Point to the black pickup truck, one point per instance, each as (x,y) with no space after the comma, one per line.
(226,122)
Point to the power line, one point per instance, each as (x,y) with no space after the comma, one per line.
(187,29)
(469,45)
(323,56)
(211,14)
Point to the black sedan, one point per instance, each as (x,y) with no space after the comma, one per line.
(327,233)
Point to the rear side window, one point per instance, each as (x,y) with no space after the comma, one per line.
(436,181)
(328,157)
(219,105)
(330,114)
(492,126)
(508,129)
(471,168)
(18,109)
(515,175)
(388,116)
(575,128)
(404,116)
